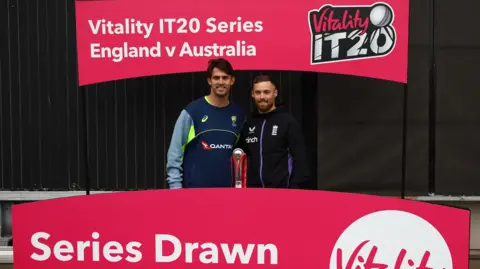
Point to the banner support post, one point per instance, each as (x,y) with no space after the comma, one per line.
(432,106)
(404,139)
(86,150)
(404,133)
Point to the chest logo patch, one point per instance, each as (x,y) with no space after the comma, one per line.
(274,130)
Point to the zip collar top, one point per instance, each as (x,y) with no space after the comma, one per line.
(276,151)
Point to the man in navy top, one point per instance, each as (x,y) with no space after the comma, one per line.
(273,141)
(205,134)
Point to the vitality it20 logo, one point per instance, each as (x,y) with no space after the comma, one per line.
(342,33)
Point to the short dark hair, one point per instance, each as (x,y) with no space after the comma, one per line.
(264,78)
(221,64)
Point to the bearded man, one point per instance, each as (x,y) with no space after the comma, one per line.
(273,141)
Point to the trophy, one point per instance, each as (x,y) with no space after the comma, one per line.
(239,160)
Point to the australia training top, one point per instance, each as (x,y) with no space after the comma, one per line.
(202,144)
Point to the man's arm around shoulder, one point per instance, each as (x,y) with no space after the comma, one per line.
(300,171)
(181,132)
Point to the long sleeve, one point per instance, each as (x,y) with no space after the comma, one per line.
(300,172)
(181,134)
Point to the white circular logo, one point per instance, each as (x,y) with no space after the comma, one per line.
(391,240)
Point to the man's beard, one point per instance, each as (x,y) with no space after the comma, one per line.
(264,106)
(225,92)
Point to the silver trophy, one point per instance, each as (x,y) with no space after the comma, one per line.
(238,167)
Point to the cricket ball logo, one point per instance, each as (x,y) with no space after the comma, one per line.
(342,33)
(391,239)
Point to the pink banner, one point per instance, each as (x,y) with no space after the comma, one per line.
(239,228)
(119,39)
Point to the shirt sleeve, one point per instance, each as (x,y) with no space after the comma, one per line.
(300,172)
(183,132)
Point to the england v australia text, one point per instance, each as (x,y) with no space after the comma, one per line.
(159,35)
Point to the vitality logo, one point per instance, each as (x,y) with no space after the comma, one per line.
(342,33)
(391,239)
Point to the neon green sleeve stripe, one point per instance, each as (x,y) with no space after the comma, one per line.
(190,137)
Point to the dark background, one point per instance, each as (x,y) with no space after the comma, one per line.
(353,125)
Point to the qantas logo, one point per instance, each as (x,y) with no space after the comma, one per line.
(206,146)
(221,146)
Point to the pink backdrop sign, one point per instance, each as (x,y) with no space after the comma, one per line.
(239,228)
(119,39)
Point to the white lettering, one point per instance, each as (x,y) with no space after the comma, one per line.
(238,26)
(218,146)
(44,248)
(240,48)
(231,256)
(273,253)
(133,248)
(81,246)
(95,27)
(169,23)
(113,248)
(96,247)
(126,51)
(208,253)
(64,250)
(168,248)
(251,140)
(127,27)
(189,248)
(63,247)
(177,248)
(170,50)
(183,25)
(335,39)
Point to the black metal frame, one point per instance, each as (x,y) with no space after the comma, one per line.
(432,104)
